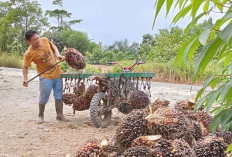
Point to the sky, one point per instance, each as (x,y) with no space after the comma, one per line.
(107,21)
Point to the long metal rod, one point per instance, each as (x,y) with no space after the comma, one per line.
(44,71)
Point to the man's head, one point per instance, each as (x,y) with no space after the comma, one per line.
(32,38)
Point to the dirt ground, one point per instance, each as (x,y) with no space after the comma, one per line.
(21,136)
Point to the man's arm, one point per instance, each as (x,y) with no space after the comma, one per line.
(25,76)
(57,53)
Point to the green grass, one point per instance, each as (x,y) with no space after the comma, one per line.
(12,60)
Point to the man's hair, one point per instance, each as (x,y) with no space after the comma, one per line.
(29,34)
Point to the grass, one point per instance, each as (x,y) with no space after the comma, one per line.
(12,60)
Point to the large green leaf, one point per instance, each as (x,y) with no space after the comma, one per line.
(216,122)
(169,4)
(206,6)
(191,48)
(213,97)
(226,117)
(195,21)
(228,59)
(196,6)
(204,36)
(201,102)
(226,89)
(206,55)
(179,57)
(158,7)
(226,34)
(229,149)
(182,13)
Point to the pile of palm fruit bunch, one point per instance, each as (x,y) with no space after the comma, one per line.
(162,131)
(80,99)
(74,58)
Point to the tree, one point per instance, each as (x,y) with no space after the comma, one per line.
(216,40)
(60,14)
(16,17)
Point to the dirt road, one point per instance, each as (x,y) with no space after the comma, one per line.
(21,136)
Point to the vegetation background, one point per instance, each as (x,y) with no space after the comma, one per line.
(158,50)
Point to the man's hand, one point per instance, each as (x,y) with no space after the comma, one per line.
(25,84)
(61,58)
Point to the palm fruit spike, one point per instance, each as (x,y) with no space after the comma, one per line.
(74,58)
(168,148)
(79,90)
(91,149)
(132,126)
(171,125)
(80,103)
(145,141)
(138,99)
(203,118)
(155,105)
(227,137)
(184,105)
(138,151)
(210,146)
(68,98)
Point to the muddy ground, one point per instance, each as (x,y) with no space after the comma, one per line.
(21,136)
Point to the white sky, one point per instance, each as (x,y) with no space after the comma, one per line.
(107,21)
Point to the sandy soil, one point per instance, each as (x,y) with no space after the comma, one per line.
(21,136)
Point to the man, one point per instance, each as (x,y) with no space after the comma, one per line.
(43,52)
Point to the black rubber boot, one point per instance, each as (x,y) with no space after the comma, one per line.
(59,111)
(41,113)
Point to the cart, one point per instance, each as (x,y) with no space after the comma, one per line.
(113,91)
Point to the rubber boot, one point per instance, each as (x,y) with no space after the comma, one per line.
(59,111)
(41,113)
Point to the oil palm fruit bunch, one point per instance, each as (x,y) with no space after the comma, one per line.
(80,103)
(155,105)
(172,148)
(210,146)
(91,149)
(138,99)
(171,125)
(132,126)
(74,58)
(68,98)
(227,136)
(184,105)
(138,151)
(203,118)
(79,89)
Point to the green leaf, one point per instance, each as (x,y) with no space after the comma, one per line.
(201,102)
(169,4)
(191,48)
(206,84)
(195,21)
(206,6)
(204,37)
(226,116)
(226,88)
(181,3)
(196,6)
(229,149)
(215,122)
(228,59)
(158,7)
(213,97)
(206,55)
(226,34)
(182,13)
(180,54)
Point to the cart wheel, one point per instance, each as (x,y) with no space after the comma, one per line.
(99,115)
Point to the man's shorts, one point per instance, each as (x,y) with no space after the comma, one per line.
(46,86)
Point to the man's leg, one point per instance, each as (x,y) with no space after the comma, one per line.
(57,91)
(45,87)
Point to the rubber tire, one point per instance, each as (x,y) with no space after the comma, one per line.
(95,119)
